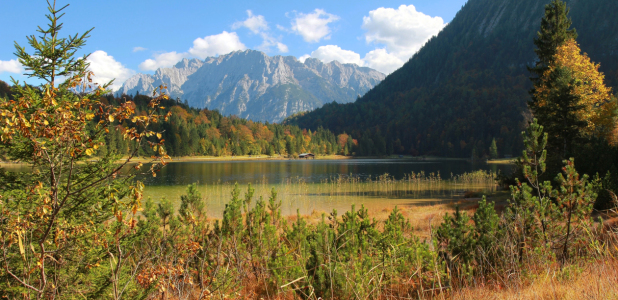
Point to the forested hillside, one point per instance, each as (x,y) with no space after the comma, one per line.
(190,132)
(469,85)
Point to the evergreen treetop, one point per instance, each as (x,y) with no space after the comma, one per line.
(53,56)
(555,30)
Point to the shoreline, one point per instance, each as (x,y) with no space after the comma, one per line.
(280,158)
(233,158)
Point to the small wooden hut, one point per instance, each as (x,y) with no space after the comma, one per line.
(306,155)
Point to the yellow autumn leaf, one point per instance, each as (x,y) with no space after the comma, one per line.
(22,251)
(89,152)
(110,118)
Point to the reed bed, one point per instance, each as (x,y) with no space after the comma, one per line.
(339,192)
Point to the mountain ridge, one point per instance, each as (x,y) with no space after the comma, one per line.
(253,85)
(469,84)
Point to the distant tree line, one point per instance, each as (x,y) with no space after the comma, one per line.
(190,132)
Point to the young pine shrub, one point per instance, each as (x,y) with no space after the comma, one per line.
(288,266)
(574,200)
(471,249)
(263,225)
(547,221)
(457,242)
(488,238)
(408,263)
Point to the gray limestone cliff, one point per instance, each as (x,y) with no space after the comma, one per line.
(253,85)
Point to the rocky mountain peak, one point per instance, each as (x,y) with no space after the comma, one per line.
(253,85)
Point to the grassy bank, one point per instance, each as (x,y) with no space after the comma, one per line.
(391,252)
(414,251)
(508,161)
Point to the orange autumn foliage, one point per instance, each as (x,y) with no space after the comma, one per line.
(342,139)
(599,108)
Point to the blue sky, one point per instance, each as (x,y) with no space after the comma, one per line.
(135,36)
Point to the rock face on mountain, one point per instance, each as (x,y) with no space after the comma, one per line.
(255,86)
(173,78)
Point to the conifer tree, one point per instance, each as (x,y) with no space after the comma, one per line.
(71,211)
(493,149)
(554,31)
(559,115)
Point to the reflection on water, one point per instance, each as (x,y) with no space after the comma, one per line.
(183,173)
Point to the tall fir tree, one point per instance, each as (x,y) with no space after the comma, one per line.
(555,30)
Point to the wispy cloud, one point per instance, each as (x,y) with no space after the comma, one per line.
(217,44)
(402,32)
(106,68)
(162,60)
(11,66)
(211,45)
(254,23)
(313,27)
(257,25)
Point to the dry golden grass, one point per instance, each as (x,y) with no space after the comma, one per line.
(595,280)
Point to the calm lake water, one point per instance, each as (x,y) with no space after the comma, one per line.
(318,185)
(310,171)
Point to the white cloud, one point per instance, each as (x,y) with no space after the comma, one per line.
(162,60)
(313,26)
(282,48)
(381,60)
(329,53)
(106,68)
(269,42)
(403,30)
(138,49)
(303,58)
(11,66)
(211,45)
(256,24)
(217,44)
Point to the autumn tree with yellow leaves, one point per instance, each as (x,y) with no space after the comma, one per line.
(63,225)
(593,104)
(569,98)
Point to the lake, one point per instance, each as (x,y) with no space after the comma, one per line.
(311,186)
(321,185)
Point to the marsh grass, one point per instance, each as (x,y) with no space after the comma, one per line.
(339,192)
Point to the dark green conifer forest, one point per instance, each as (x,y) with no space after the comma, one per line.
(469,84)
